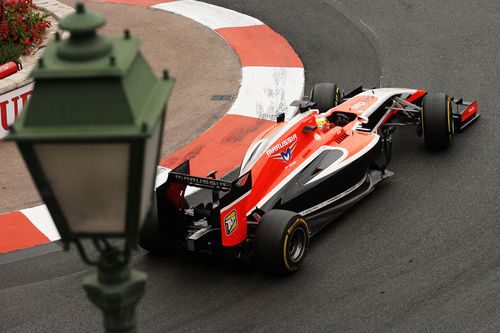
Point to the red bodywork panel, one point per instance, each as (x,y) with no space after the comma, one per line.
(282,157)
(234,223)
(357,104)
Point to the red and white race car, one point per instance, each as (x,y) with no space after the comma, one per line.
(299,175)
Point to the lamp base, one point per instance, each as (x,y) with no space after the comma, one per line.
(117,301)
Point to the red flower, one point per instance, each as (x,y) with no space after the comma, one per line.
(9,3)
(23,27)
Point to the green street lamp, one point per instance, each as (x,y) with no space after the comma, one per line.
(90,136)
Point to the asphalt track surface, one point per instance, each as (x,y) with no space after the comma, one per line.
(422,253)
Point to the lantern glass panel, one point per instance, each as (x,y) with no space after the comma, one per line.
(89,182)
(149,171)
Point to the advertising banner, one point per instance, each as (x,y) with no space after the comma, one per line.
(11,105)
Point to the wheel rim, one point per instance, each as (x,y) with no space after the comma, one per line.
(297,245)
(337,96)
(451,125)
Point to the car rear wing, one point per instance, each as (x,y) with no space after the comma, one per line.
(208,183)
(464,113)
(227,212)
(182,175)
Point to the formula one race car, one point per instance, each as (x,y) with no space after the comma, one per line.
(299,175)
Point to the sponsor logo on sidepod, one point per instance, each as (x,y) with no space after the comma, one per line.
(231,222)
(285,154)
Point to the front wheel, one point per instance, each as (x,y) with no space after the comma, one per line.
(281,241)
(437,121)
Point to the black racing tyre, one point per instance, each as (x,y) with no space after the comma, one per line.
(281,241)
(437,121)
(326,96)
(151,240)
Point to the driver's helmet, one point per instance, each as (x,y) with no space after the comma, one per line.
(323,124)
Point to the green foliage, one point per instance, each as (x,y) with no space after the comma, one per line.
(10,52)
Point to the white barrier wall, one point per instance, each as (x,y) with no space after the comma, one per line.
(11,105)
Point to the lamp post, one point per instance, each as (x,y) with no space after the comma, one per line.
(90,137)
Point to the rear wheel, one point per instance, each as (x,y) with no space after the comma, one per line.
(281,241)
(437,121)
(326,96)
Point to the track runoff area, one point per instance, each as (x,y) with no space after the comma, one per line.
(270,81)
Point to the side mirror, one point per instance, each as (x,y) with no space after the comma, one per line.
(363,119)
(280,118)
